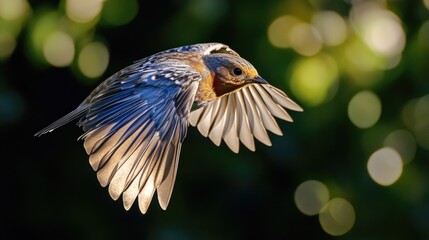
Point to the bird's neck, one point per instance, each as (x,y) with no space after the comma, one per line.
(206,91)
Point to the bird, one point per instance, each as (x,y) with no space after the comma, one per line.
(135,121)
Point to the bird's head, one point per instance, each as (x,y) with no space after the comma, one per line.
(231,72)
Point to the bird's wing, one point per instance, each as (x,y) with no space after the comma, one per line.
(134,128)
(243,115)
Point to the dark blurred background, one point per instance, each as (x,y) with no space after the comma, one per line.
(354,164)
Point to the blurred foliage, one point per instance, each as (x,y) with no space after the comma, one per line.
(354,164)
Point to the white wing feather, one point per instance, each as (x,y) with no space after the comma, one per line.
(244,115)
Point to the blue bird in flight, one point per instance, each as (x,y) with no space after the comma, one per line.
(135,121)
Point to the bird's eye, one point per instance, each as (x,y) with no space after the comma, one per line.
(237,71)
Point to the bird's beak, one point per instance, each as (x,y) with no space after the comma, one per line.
(258,79)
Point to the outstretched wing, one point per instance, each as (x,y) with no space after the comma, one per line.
(135,127)
(243,115)
(134,124)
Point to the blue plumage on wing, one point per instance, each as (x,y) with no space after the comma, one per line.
(141,98)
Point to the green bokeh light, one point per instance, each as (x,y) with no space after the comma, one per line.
(364,109)
(337,217)
(314,79)
(44,24)
(7,44)
(310,196)
(119,12)
(93,59)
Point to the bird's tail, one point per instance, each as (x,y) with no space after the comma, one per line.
(78,112)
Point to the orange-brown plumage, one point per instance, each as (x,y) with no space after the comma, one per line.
(206,92)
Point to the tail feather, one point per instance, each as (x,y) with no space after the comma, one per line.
(77,113)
